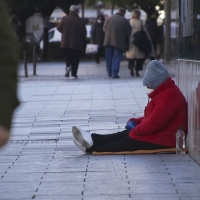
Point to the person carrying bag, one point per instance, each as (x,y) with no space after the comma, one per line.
(141,40)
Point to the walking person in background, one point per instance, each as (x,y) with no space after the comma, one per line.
(117,30)
(156,130)
(97,36)
(9,48)
(160,41)
(73,31)
(153,30)
(135,56)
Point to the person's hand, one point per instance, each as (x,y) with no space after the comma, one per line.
(130,125)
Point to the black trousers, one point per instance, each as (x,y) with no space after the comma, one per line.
(118,142)
(136,64)
(72,59)
(99,54)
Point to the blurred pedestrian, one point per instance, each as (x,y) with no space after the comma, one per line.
(117,30)
(14,21)
(153,30)
(135,56)
(160,41)
(97,36)
(156,130)
(73,31)
(9,47)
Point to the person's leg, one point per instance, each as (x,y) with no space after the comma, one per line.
(117,56)
(132,63)
(109,59)
(85,140)
(125,144)
(139,66)
(103,139)
(67,57)
(97,55)
(76,54)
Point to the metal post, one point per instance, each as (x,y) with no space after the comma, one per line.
(25,64)
(34,60)
(167,51)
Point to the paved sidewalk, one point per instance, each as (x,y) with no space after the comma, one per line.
(41,161)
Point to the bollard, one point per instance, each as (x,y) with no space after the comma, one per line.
(25,64)
(34,60)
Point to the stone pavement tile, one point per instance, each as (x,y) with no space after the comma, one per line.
(95,176)
(118,197)
(58,188)
(17,195)
(63,177)
(188,188)
(28,168)
(155,196)
(7,187)
(152,188)
(12,150)
(190,197)
(99,189)
(21,177)
(7,159)
(58,197)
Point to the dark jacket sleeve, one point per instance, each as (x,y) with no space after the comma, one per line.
(93,33)
(59,26)
(8,69)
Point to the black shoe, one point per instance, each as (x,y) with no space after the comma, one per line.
(132,71)
(97,60)
(137,74)
(115,77)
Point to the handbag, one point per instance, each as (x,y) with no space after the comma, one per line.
(141,41)
(91,49)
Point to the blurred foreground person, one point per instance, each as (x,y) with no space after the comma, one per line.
(8,74)
(73,31)
(165,112)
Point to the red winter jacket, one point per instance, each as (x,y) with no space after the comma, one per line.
(166,111)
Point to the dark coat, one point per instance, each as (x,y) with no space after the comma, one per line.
(117,30)
(97,34)
(152,29)
(166,111)
(73,32)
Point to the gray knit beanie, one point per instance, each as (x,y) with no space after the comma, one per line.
(155,74)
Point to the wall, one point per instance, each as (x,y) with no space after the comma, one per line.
(188,80)
(188,69)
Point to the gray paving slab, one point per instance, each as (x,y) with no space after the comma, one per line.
(42,162)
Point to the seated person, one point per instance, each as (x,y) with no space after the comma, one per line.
(165,112)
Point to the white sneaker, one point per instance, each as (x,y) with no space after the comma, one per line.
(82,136)
(79,145)
(73,77)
